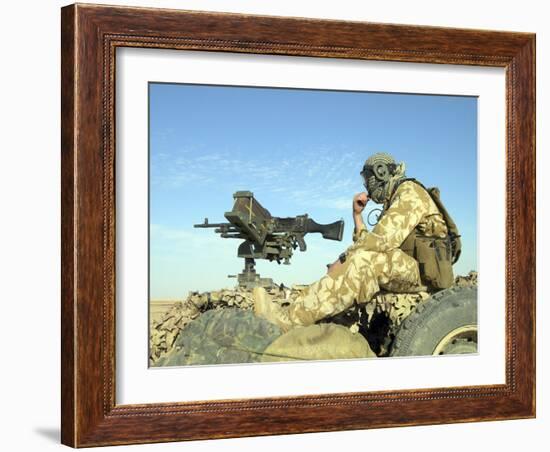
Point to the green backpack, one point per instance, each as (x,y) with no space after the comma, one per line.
(435,255)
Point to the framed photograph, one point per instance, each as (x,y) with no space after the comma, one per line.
(280,225)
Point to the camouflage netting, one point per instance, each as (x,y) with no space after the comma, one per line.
(465,281)
(167,339)
(396,306)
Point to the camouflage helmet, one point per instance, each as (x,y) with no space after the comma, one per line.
(377,172)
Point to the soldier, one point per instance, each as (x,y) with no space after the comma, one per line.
(409,248)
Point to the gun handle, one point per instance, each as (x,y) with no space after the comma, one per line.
(301,243)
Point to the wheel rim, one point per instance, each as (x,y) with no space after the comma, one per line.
(458,342)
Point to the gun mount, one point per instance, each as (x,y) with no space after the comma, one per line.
(265,236)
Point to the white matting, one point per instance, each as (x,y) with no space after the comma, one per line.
(136,383)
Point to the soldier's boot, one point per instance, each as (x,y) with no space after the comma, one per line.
(267,308)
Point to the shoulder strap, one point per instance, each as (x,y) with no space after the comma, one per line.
(454,234)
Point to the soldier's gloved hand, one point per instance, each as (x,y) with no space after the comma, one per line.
(359,202)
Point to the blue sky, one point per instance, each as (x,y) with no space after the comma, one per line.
(299,151)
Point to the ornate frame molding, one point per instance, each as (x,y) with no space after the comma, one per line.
(90,36)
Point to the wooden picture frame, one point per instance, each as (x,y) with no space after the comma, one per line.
(90,36)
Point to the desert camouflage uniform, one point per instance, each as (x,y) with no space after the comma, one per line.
(374,261)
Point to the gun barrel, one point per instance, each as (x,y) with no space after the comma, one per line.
(211,225)
(226,230)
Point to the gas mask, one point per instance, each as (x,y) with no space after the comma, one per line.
(377,172)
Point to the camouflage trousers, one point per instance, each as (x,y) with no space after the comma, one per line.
(361,276)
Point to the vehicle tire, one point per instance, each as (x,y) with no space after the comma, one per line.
(224,336)
(446,324)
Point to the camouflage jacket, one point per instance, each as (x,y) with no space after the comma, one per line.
(410,207)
